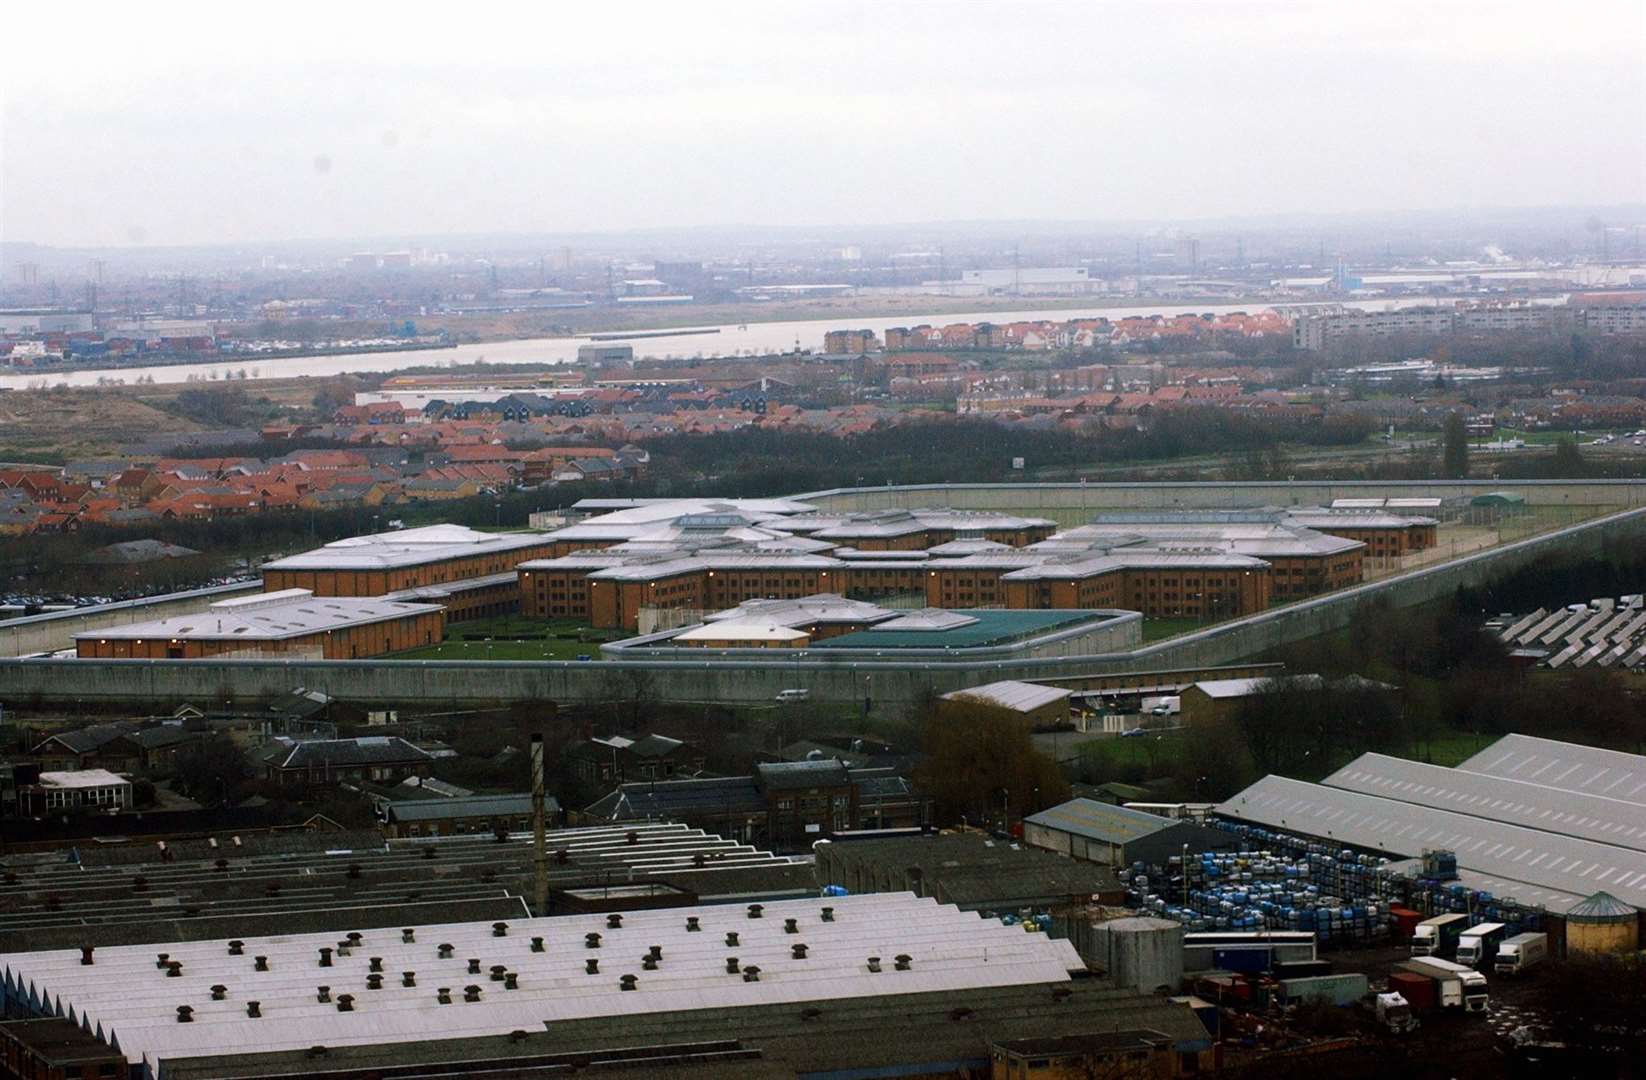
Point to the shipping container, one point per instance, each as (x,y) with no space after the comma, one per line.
(1302,969)
(1345,989)
(1418,990)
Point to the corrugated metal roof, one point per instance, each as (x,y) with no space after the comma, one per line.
(1100,821)
(1011,694)
(407,547)
(1602,906)
(1563,765)
(125,994)
(1512,852)
(1514,802)
(992,625)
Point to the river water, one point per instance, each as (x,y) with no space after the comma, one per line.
(751,339)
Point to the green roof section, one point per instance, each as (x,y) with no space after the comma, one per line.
(993,627)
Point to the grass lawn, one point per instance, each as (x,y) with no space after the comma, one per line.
(513,637)
(1156,629)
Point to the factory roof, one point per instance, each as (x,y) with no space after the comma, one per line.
(1318,517)
(1601,906)
(1011,694)
(807,610)
(1563,765)
(465,806)
(1100,821)
(270,616)
(740,630)
(799,775)
(407,547)
(990,626)
(342,753)
(1516,802)
(134,1002)
(1512,852)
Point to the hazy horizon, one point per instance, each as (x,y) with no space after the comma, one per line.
(222,127)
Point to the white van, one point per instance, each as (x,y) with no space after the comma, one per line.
(789,697)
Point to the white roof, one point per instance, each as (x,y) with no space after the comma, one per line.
(1563,765)
(130,1000)
(274,616)
(927,619)
(1014,695)
(82,778)
(407,547)
(741,631)
(821,607)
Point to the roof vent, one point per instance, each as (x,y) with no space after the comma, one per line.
(591,941)
(345,1002)
(322,994)
(511,980)
(500,929)
(471,993)
(355,937)
(474,965)
(656,952)
(237,948)
(627,982)
(731,937)
(444,950)
(751,974)
(408,978)
(498,971)
(374,982)
(325,956)
(798,951)
(85,955)
(537,944)
(649,963)
(903,961)
(408,935)
(691,924)
(828,914)
(160,963)
(614,921)
(731,965)
(375,964)
(185,1014)
(791,926)
(874,964)
(260,963)
(443,995)
(174,970)
(591,966)
(219,992)
(755,910)
(254,1009)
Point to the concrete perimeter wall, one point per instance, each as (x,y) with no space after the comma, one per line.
(1068,501)
(889,683)
(55,630)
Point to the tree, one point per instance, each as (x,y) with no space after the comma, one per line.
(980,761)
(1454,458)
(212,771)
(1569,463)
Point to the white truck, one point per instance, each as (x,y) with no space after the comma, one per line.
(1520,952)
(1478,946)
(1438,936)
(1394,1013)
(1456,986)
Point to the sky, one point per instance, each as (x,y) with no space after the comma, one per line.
(190,123)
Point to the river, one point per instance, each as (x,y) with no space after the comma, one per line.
(750,339)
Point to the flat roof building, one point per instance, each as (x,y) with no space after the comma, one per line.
(288,621)
(1118,836)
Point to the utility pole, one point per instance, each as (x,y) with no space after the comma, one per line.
(540,860)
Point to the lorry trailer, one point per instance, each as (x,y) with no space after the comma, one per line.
(1478,945)
(1438,936)
(1456,986)
(1520,952)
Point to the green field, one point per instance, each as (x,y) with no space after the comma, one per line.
(512,637)
(1158,629)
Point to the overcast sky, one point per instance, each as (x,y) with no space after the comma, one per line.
(182,124)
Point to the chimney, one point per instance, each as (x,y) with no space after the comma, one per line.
(540,864)
(85,955)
